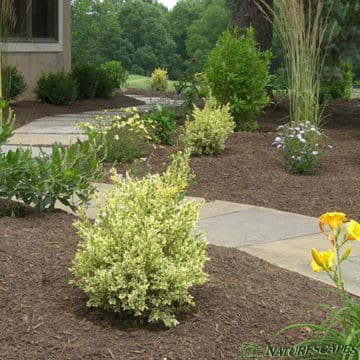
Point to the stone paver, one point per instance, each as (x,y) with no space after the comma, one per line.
(256,225)
(35,149)
(44,139)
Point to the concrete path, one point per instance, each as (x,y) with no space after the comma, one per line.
(281,238)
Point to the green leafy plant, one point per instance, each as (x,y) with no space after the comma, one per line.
(302,147)
(86,77)
(66,176)
(238,74)
(116,72)
(6,126)
(122,139)
(56,88)
(194,91)
(158,80)
(210,128)
(162,125)
(336,82)
(142,255)
(105,86)
(13,82)
(338,335)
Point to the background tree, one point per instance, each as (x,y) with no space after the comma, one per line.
(203,33)
(245,13)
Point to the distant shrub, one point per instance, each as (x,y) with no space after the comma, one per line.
(56,88)
(336,82)
(105,85)
(13,82)
(86,77)
(210,128)
(158,80)
(142,254)
(162,125)
(238,74)
(116,72)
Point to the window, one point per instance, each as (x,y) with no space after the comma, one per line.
(36,20)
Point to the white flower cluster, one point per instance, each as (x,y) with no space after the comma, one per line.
(300,143)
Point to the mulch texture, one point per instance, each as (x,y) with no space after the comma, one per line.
(250,170)
(43,317)
(27,111)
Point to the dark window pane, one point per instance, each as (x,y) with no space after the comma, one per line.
(44,19)
(20,25)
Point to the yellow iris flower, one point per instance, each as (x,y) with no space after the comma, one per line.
(322,260)
(353,230)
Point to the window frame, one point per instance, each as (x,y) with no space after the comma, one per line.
(27,44)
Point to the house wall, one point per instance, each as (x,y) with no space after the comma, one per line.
(32,59)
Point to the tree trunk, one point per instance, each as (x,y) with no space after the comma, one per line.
(245,13)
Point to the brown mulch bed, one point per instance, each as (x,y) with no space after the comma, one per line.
(43,317)
(250,170)
(27,111)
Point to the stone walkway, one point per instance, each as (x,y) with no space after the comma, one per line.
(281,238)
(63,129)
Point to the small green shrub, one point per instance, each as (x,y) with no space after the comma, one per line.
(6,125)
(336,82)
(302,147)
(13,83)
(142,255)
(162,125)
(56,88)
(210,128)
(86,77)
(66,175)
(116,72)
(124,139)
(238,74)
(158,80)
(194,91)
(105,86)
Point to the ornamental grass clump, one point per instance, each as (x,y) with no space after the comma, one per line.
(208,129)
(302,147)
(338,336)
(142,254)
(304,30)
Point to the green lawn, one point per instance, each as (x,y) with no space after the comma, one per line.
(355,93)
(143,83)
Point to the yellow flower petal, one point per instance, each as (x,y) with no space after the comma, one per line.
(315,267)
(322,260)
(353,230)
(332,219)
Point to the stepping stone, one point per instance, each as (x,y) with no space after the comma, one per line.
(44,139)
(43,129)
(34,149)
(256,225)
